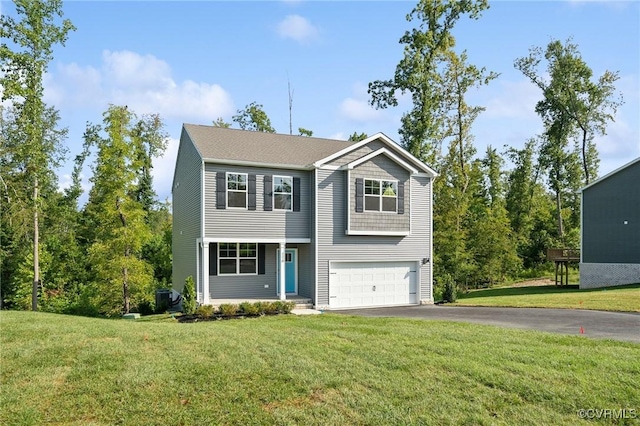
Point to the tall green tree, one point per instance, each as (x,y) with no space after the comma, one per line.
(23,62)
(573,101)
(253,117)
(419,72)
(491,239)
(121,277)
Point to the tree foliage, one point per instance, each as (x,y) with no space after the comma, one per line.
(253,117)
(116,214)
(419,72)
(23,63)
(357,137)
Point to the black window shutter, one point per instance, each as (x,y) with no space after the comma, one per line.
(213,259)
(400,197)
(262,249)
(251,204)
(359,195)
(268,193)
(296,194)
(221,190)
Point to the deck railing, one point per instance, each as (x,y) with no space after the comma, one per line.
(563,254)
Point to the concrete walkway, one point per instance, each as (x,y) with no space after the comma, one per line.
(595,324)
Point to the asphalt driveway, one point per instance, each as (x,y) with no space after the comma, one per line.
(595,324)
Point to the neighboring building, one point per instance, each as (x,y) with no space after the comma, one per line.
(610,243)
(354,219)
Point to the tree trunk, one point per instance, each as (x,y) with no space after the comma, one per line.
(559,208)
(125,289)
(584,155)
(36,250)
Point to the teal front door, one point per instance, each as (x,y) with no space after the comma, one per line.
(290,271)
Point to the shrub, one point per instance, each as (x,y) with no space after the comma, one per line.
(283,307)
(205,311)
(270,308)
(228,309)
(449,293)
(248,308)
(260,308)
(189,296)
(146,308)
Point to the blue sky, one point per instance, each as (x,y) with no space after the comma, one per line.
(196,61)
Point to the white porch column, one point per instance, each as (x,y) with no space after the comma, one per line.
(205,273)
(283,292)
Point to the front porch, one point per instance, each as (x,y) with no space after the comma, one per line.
(236,272)
(300,301)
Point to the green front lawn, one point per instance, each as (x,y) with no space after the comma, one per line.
(623,298)
(324,369)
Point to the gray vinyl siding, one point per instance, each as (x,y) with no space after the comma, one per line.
(242,223)
(380,167)
(306,273)
(186,201)
(605,207)
(310,288)
(333,244)
(359,153)
(253,286)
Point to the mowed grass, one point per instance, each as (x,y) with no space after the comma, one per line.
(622,299)
(314,370)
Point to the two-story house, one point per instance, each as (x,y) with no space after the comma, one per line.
(260,215)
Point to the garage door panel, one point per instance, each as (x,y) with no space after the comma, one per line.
(356,284)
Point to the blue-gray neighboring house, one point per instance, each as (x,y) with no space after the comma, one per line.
(261,215)
(610,240)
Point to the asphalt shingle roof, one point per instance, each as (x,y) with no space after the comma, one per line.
(217,143)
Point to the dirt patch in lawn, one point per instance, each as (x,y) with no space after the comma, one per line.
(532,283)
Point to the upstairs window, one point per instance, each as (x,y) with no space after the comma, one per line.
(380,195)
(282,192)
(237,190)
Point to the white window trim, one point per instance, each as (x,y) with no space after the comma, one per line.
(246,191)
(380,196)
(237,259)
(273,191)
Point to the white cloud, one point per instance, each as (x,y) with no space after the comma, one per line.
(358,110)
(297,28)
(143,82)
(340,136)
(515,99)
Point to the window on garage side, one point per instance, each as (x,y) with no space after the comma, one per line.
(237,190)
(238,258)
(282,192)
(380,195)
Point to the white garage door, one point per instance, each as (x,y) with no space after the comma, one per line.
(372,284)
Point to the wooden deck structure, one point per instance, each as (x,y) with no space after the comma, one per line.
(562,257)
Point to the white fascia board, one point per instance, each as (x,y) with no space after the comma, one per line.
(243,163)
(202,200)
(258,240)
(386,152)
(619,169)
(349,201)
(315,236)
(379,136)
(383,233)
(347,149)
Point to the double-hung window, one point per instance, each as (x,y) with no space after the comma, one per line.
(380,195)
(282,192)
(238,258)
(237,190)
